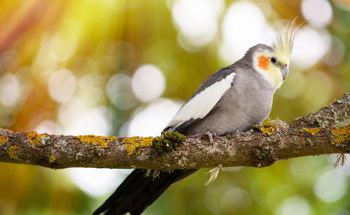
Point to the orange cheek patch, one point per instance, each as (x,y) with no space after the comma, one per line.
(263,62)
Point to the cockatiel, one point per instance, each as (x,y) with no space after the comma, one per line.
(233,99)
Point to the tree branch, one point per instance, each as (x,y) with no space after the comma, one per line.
(326,131)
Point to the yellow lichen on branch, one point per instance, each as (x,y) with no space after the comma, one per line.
(341,134)
(101,141)
(12,151)
(3,140)
(312,131)
(326,131)
(269,126)
(35,138)
(267,130)
(135,144)
(52,158)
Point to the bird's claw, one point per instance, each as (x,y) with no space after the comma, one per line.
(209,134)
(341,158)
(214,173)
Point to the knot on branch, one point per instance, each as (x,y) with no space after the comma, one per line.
(263,156)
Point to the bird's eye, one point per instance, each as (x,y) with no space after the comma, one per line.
(273,60)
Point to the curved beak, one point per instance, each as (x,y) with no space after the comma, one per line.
(285,71)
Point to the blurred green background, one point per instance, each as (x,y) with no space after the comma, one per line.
(124,68)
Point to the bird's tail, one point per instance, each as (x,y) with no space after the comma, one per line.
(138,191)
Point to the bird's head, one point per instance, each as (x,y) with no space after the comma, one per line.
(273,62)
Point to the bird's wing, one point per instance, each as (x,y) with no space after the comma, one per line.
(204,100)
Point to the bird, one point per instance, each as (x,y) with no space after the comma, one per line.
(235,98)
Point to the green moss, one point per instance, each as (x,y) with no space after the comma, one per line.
(167,142)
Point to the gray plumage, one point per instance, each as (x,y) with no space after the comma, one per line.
(247,102)
(234,98)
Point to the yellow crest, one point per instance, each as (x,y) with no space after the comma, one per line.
(285,40)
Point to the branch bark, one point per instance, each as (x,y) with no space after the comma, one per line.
(326,131)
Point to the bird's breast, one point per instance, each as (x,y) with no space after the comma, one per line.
(245,104)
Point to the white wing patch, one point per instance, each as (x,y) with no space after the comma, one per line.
(201,104)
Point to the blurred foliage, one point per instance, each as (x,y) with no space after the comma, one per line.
(88,42)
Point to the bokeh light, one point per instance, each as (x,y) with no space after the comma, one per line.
(125,68)
(148,83)
(120,93)
(317,12)
(197,20)
(310,46)
(152,119)
(10,90)
(294,205)
(62,85)
(49,127)
(76,119)
(240,32)
(97,182)
(331,185)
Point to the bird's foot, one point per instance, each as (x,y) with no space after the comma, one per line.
(256,127)
(341,158)
(214,173)
(152,173)
(209,134)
